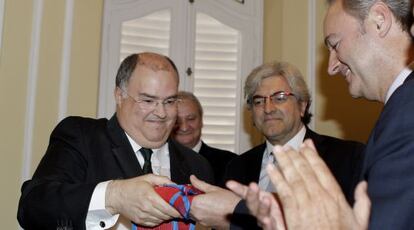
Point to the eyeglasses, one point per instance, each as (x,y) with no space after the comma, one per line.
(149,103)
(279,97)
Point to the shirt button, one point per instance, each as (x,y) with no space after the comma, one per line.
(102,224)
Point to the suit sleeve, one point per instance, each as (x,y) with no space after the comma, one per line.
(56,196)
(241,218)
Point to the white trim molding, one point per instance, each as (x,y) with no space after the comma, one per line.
(65,65)
(312,56)
(2,6)
(32,88)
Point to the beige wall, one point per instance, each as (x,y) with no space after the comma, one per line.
(14,72)
(285,38)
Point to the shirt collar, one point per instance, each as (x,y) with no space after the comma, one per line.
(135,146)
(294,142)
(197,147)
(398,81)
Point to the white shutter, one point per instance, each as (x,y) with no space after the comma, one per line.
(220,40)
(150,33)
(215,79)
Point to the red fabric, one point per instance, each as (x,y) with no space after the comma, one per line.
(167,194)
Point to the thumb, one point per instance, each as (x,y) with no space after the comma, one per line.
(201,185)
(362,206)
(236,187)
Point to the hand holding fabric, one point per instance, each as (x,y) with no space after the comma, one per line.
(214,207)
(137,200)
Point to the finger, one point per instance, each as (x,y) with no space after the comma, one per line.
(309,180)
(263,209)
(201,185)
(291,173)
(252,198)
(276,213)
(282,187)
(158,207)
(237,188)
(321,170)
(362,206)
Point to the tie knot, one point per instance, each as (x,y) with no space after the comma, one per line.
(146,153)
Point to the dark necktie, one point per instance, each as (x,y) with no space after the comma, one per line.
(146,153)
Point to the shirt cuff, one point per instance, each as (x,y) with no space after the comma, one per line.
(98,217)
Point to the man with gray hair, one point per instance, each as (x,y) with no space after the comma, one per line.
(187,131)
(370,44)
(278,99)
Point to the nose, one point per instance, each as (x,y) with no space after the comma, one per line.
(183,125)
(268,106)
(334,63)
(160,110)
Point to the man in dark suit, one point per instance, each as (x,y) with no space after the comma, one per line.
(278,99)
(92,174)
(187,132)
(371,46)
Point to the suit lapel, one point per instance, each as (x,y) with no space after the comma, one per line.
(254,163)
(179,168)
(122,150)
(317,141)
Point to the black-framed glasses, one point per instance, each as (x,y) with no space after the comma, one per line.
(278,97)
(150,103)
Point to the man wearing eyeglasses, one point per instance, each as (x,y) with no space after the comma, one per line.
(92,175)
(278,99)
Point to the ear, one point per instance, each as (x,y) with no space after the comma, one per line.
(303,106)
(381,17)
(118,96)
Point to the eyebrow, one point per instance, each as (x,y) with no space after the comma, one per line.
(258,95)
(155,97)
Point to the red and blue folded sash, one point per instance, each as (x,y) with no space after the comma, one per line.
(180,197)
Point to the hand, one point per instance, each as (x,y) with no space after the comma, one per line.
(263,205)
(137,200)
(214,207)
(309,194)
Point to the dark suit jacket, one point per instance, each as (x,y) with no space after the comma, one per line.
(83,152)
(344,159)
(389,162)
(218,159)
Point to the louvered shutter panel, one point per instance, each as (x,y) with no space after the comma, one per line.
(150,33)
(215,79)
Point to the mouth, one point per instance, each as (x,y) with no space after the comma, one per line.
(183,133)
(268,119)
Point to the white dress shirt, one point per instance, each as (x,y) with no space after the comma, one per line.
(98,217)
(197,147)
(398,81)
(264,180)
